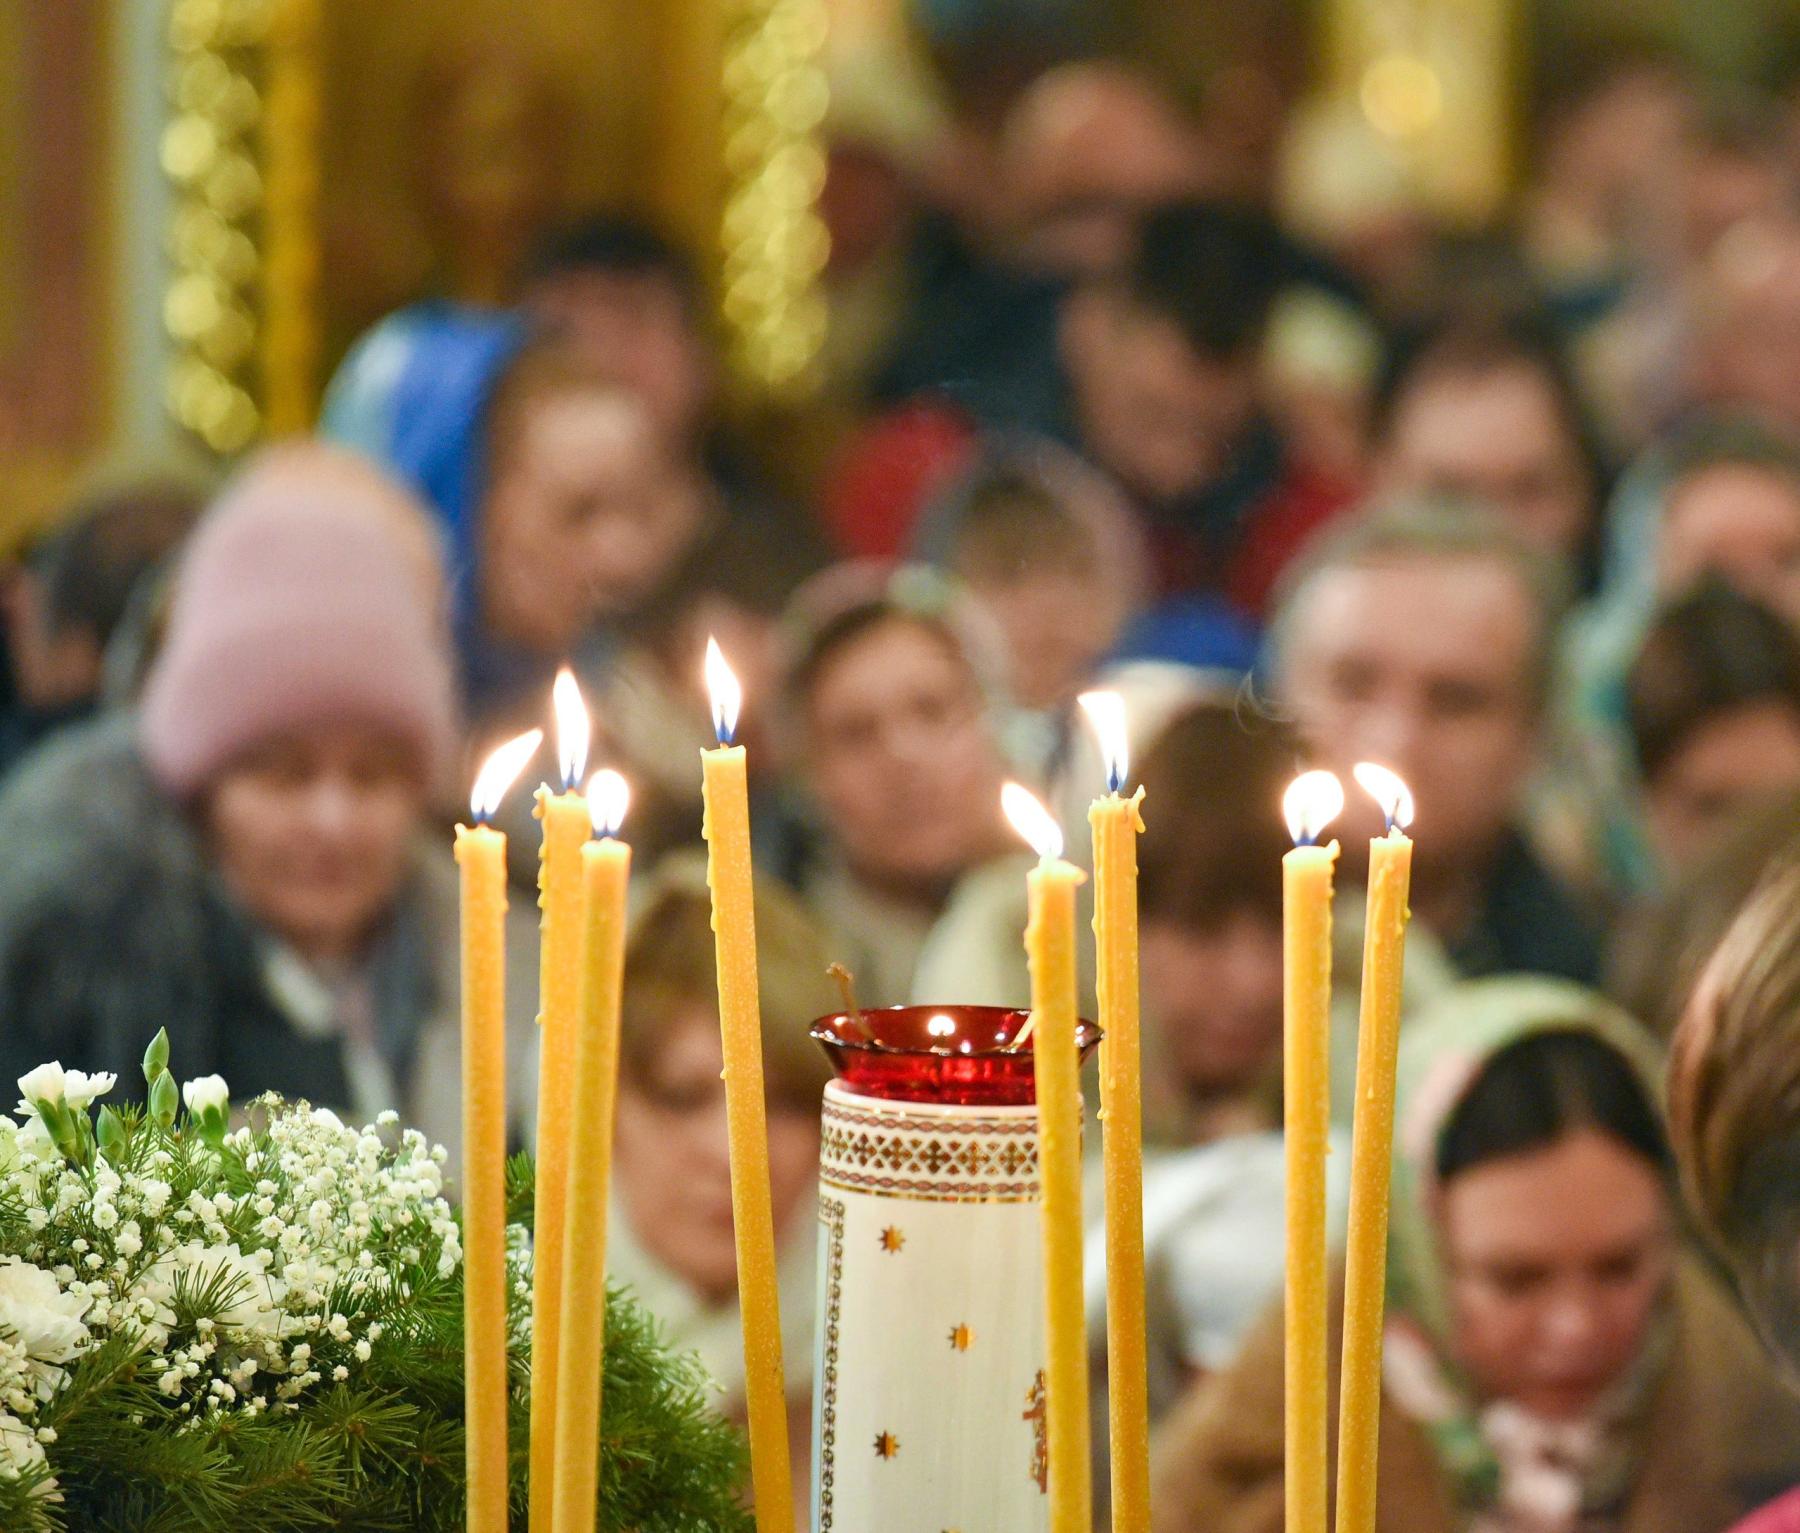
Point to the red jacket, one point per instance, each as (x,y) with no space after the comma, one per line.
(896,463)
(1779,1516)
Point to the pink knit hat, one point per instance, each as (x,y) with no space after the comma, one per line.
(307,594)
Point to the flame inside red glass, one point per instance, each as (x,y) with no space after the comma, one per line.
(960,1056)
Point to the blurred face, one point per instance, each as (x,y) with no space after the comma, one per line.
(637,328)
(1740,522)
(1496,437)
(50,669)
(672,1157)
(1086,149)
(1752,361)
(1722,187)
(1057,629)
(902,758)
(310,832)
(1151,409)
(1214,998)
(1557,1258)
(587,514)
(1617,145)
(1733,759)
(1421,663)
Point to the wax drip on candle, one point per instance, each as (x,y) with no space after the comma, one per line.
(1388,790)
(574,731)
(1106,712)
(1313,800)
(726,691)
(499,772)
(608,796)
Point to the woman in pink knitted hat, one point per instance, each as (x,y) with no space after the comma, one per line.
(246,860)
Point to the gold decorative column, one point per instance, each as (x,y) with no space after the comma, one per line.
(292,118)
(241,148)
(773,241)
(209,153)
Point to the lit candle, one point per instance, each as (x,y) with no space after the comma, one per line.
(560,894)
(1313,801)
(1378,1042)
(1056,1064)
(605,867)
(1117,822)
(481,855)
(726,827)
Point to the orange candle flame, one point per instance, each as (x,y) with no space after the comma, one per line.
(1388,790)
(1032,821)
(608,796)
(573,728)
(1313,800)
(726,691)
(1106,711)
(500,771)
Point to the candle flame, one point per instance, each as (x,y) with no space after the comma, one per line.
(608,796)
(1106,712)
(1032,821)
(499,772)
(1313,800)
(1388,790)
(573,729)
(726,690)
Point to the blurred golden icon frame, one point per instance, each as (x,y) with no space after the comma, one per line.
(330,162)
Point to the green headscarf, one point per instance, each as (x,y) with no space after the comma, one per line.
(1442,1054)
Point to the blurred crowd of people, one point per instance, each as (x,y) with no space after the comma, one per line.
(1517,515)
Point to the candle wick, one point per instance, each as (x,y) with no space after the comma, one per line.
(846,982)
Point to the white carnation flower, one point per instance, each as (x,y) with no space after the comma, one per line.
(255,1310)
(44,1322)
(44,1084)
(20,1450)
(207,1093)
(80,1088)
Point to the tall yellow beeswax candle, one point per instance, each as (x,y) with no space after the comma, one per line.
(566,829)
(481,856)
(1050,949)
(1371,1154)
(1117,823)
(605,869)
(1313,801)
(726,827)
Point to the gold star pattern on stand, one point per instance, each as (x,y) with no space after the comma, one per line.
(893,1239)
(886,1445)
(962,1337)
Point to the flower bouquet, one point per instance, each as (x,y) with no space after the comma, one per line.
(207,1327)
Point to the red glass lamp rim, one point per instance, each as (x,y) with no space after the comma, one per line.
(940,1054)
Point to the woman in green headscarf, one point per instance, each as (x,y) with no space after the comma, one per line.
(1555,1363)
